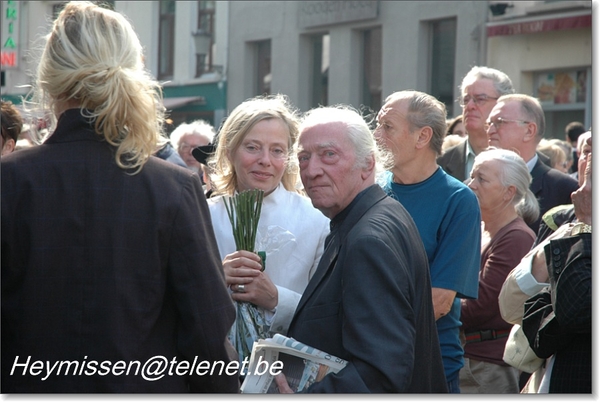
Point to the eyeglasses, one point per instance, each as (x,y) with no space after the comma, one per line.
(499,122)
(478,99)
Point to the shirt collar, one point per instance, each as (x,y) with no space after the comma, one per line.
(531,163)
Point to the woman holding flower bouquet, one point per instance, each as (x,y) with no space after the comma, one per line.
(256,151)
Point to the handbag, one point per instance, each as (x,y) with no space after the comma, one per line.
(518,353)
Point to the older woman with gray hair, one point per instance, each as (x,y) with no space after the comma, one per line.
(500,180)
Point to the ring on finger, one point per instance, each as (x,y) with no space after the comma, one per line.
(241,288)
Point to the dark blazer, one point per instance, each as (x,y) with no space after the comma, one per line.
(570,268)
(454,160)
(369,302)
(551,188)
(102,268)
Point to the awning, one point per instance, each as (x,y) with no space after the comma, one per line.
(174,103)
(519,26)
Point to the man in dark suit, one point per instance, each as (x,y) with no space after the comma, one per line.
(480,89)
(517,123)
(369,301)
(111,275)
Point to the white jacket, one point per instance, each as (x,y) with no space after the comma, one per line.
(289,221)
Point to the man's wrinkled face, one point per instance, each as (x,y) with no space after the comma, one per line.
(328,168)
(479,97)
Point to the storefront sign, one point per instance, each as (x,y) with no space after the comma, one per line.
(9,38)
(318,13)
(540,25)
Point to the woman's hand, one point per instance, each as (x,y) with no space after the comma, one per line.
(244,268)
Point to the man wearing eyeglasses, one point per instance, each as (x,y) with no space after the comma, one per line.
(517,123)
(480,89)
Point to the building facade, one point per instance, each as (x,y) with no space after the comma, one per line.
(184,44)
(212,55)
(358,52)
(546,49)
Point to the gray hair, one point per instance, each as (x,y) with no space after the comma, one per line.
(502,82)
(514,172)
(424,110)
(531,109)
(198,128)
(359,133)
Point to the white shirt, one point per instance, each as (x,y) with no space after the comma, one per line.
(531,162)
(292,232)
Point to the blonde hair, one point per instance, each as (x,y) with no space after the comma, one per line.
(241,120)
(553,151)
(93,57)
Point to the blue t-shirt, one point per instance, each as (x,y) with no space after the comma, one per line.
(447,215)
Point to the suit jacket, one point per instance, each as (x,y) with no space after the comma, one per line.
(453,161)
(102,269)
(569,263)
(369,302)
(551,188)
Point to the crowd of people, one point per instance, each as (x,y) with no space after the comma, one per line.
(410,258)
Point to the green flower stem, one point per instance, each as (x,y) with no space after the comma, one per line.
(244,211)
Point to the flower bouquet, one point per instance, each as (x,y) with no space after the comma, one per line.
(250,324)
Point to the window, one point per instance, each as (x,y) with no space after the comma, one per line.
(565,96)
(443,51)
(320,70)
(371,92)
(263,67)
(206,27)
(166,42)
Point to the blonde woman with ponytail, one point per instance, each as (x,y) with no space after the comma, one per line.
(108,253)
(500,180)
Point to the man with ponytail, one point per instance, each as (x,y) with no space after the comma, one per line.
(110,268)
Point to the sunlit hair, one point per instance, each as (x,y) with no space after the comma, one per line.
(424,110)
(235,128)
(514,172)
(502,82)
(581,140)
(198,128)
(553,151)
(93,57)
(565,146)
(531,111)
(365,146)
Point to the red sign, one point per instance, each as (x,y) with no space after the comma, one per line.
(554,24)
(9,59)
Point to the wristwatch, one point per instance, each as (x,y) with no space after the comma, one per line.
(581,227)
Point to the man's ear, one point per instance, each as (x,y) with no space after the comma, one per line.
(369,168)
(531,132)
(425,134)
